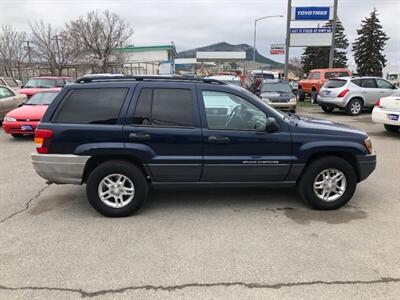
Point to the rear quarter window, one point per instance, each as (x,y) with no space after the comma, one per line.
(91,106)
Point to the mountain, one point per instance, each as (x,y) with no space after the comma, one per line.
(223,46)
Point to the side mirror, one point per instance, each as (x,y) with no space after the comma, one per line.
(272,125)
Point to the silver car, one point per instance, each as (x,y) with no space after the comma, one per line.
(353,93)
(9,100)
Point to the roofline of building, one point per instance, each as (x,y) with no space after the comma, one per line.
(147,48)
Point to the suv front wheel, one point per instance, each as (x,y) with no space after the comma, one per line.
(328,183)
(116,188)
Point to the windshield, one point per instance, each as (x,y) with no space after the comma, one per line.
(40,83)
(232,82)
(42,98)
(11,82)
(276,87)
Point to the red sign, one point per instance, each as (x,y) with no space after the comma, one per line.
(277,51)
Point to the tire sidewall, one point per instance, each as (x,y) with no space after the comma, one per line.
(351,102)
(117,167)
(306,185)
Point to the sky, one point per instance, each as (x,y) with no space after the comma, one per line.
(196,23)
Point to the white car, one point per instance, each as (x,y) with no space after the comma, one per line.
(387,111)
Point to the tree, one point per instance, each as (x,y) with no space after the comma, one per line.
(369,46)
(318,57)
(98,34)
(51,46)
(12,49)
(296,68)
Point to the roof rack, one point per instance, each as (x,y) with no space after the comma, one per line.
(105,78)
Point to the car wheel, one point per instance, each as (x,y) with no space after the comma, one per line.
(354,107)
(301,95)
(16,135)
(327,183)
(117,188)
(314,96)
(391,128)
(327,109)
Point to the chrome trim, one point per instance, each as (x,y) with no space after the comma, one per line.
(60,168)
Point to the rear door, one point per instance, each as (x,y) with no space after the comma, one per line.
(163,122)
(385,88)
(236,146)
(370,91)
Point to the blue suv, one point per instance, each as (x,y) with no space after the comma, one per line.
(121,135)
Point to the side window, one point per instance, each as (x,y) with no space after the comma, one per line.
(165,108)
(383,84)
(357,82)
(5,93)
(368,83)
(314,75)
(225,111)
(91,106)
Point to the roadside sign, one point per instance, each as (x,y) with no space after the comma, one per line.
(277,49)
(312,13)
(303,37)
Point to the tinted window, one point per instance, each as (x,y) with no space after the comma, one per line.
(336,74)
(334,83)
(383,84)
(91,106)
(314,75)
(368,83)
(356,82)
(226,111)
(164,107)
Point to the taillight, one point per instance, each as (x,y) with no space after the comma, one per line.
(42,140)
(343,93)
(378,103)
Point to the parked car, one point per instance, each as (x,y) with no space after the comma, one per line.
(294,84)
(353,93)
(316,78)
(278,93)
(9,100)
(254,81)
(10,82)
(36,84)
(394,78)
(229,79)
(387,112)
(122,135)
(23,120)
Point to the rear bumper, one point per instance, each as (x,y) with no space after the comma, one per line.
(366,165)
(60,168)
(381,116)
(336,102)
(16,127)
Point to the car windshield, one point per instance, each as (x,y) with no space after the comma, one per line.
(42,98)
(11,82)
(334,83)
(40,83)
(276,87)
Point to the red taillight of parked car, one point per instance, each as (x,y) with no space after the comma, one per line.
(343,93)
(378,103)
(42,140)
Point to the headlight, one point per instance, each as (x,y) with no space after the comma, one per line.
(368,145)
(9,119)
(293,99)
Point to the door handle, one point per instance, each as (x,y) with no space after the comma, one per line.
(140,136)
(219,139)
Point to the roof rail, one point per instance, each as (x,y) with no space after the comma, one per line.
(105,78)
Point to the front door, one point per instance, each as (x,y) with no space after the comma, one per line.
(164,129)
(236,146)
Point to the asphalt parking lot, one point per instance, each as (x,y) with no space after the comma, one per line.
(205,244)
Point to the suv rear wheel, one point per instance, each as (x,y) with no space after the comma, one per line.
(314,97)
(328,183)
(116,188)
(354,107)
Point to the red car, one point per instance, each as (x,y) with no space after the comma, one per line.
(36,84)
(23,120)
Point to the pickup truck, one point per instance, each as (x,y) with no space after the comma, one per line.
(315,80)
(122,135)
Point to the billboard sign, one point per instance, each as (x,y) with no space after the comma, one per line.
(277,49)
(311,13)
(304,37)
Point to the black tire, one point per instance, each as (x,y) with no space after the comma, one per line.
(327,109)
(391,128)
(352,105)
(314,97)
(117,167)
(301,95)
(306,183)
(16,135)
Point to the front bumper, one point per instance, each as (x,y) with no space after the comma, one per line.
(60,168)
(283,105)
(330,101)
(366,165)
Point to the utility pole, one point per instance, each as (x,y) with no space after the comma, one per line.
(332,50)
(289,17)
(255,32)
(56,38)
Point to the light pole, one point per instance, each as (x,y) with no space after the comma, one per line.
(255,32)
